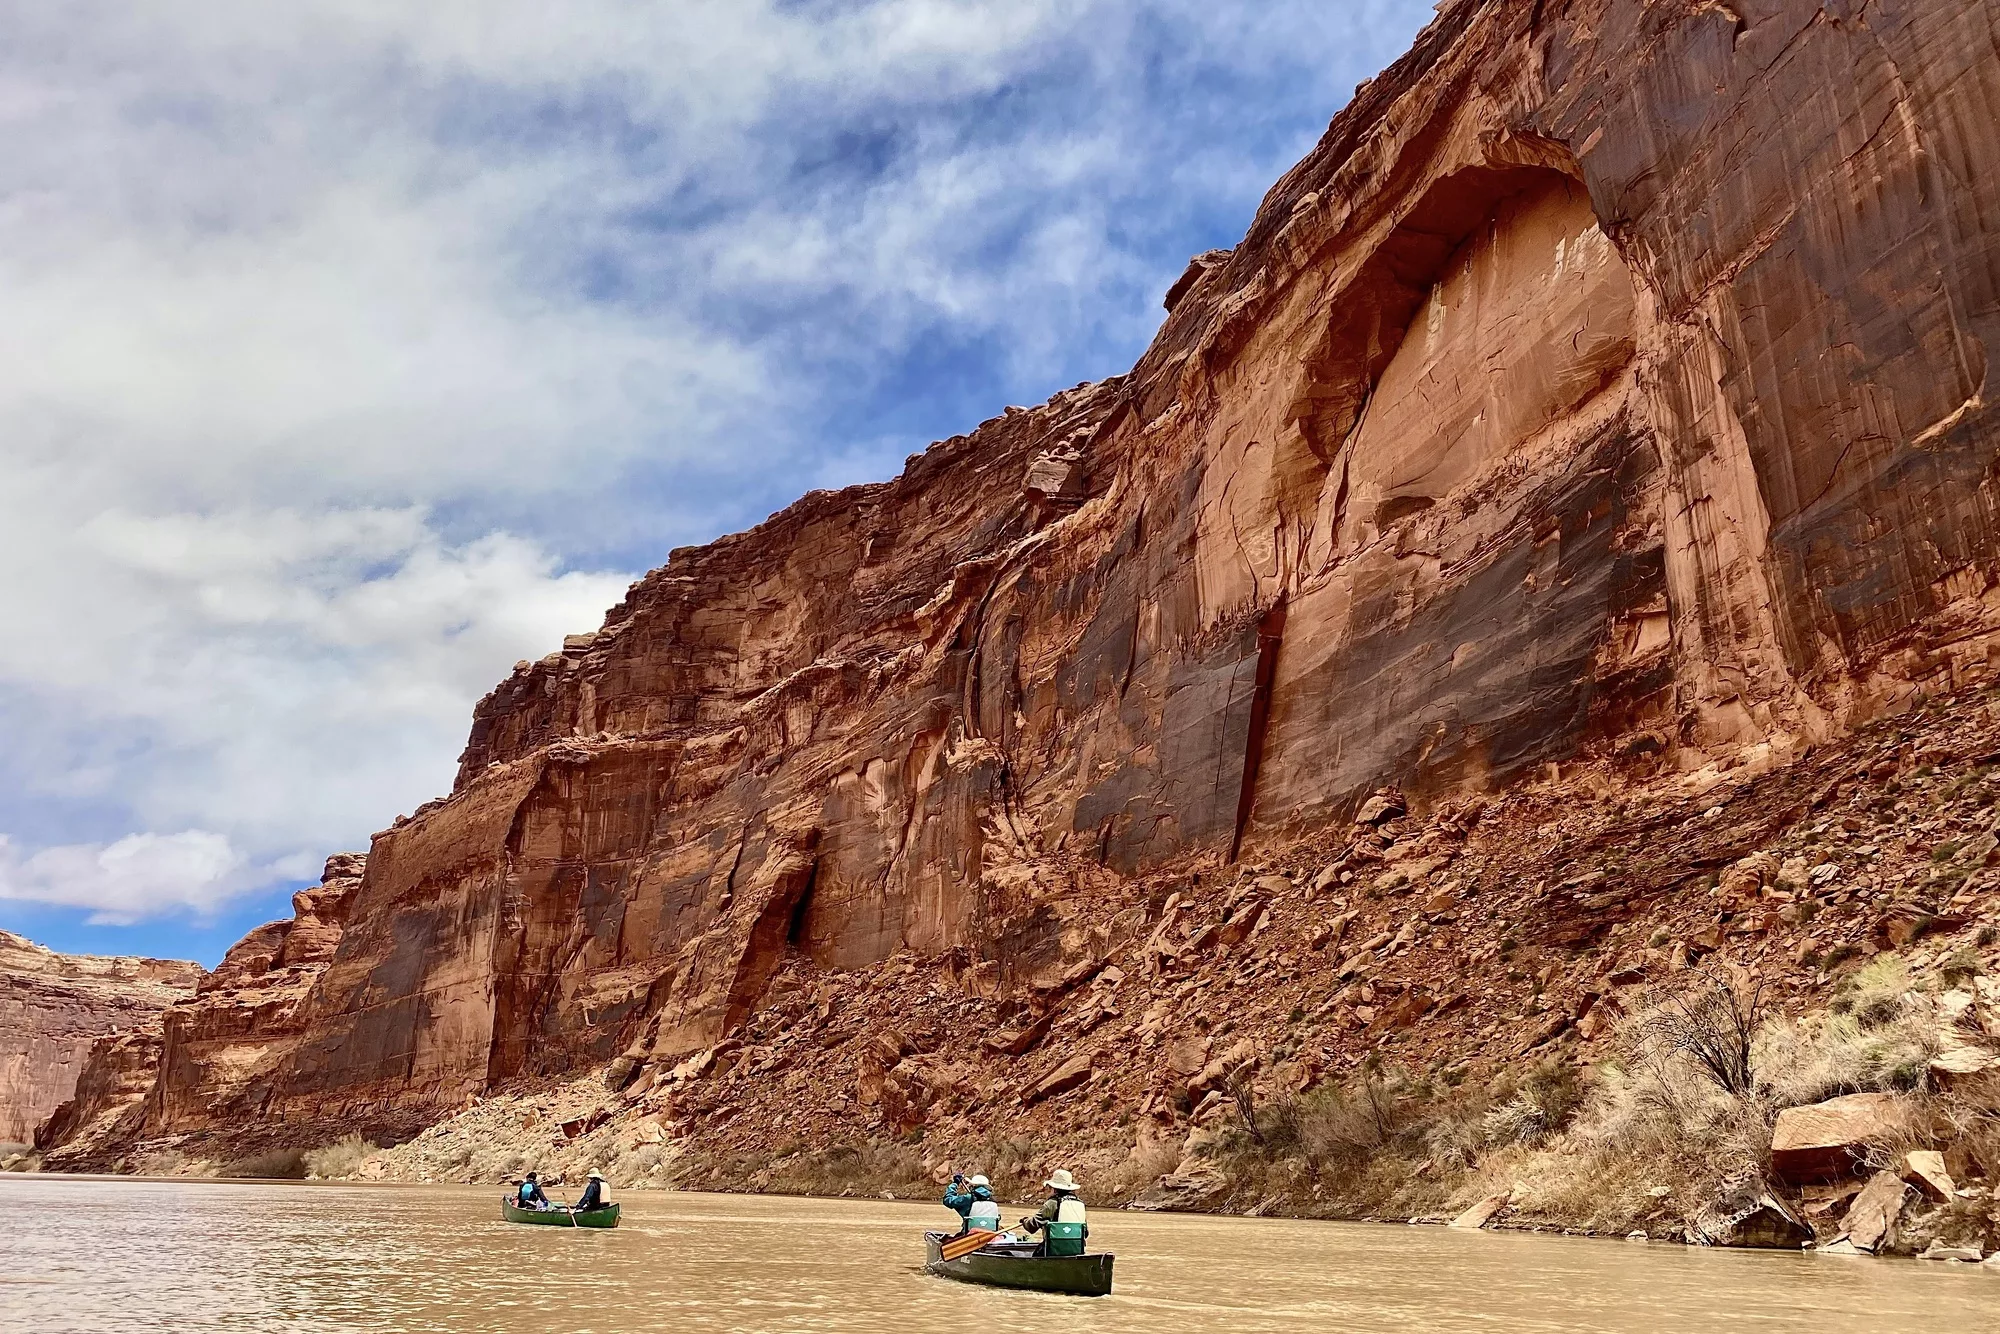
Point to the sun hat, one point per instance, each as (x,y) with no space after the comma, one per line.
(979,1181)
(596,1175)
(1061,1180)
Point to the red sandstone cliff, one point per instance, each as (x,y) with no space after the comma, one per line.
(202,1063)
(53,1007)
(1606,388)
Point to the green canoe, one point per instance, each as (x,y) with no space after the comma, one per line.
(605,1217)
(1017,1266)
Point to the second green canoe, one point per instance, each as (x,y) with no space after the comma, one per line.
(605,1217)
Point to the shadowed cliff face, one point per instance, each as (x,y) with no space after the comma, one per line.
(1608,385)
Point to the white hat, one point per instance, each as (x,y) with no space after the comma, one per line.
(596,1175)
(979,1181)
(1061,1180)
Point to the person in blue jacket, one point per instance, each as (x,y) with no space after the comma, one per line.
(973,1202)
(531,1196)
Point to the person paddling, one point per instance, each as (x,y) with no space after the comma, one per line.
(958,1199)
(984,1214)
(973,1202)
(1061,1218)
(593,1194)
(531,1196)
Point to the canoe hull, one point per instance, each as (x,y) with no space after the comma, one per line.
(605,1217)
(1071,1275)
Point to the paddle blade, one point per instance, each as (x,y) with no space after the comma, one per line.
(965,1243)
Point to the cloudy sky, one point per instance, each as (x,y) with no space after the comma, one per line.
(351,350)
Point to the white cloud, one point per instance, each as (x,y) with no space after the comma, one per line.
(294,676)
(352,349)
(141,875)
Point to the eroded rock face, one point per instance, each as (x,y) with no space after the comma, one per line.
(218,1046)
(53,1007)
(204,1062)
(1608,385)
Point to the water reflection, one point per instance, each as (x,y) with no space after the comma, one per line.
(129,1255)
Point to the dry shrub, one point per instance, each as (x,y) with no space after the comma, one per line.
(837,1170)
(1390,1140)
(1878,1036)
(274,1165)
(1800,1062)
(1542,1107)
(1972,1115)
(342,1158)
(1649,1140)
(1144,1165)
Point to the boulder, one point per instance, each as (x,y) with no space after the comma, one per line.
(1874,1220)
(1937,1250)
(1076,1070)
(1924,1169)
(1187,1055)
(1185,1188)
(1241,923)
(1962,1063)
(1903,923)
(1050,474)
(1742,882)
(1826,1140)
(1749,1216)
(1482,1213)
(1020,1041)
(1386,805)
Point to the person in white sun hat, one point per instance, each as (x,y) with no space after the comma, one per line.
(593,1194)
(1061,1218)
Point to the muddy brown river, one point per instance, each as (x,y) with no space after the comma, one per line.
(94,1254)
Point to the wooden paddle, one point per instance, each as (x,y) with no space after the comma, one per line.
(965,1243)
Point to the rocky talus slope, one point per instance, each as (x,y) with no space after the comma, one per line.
(53,1007)
(1588,436)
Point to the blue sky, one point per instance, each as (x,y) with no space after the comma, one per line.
(351,351)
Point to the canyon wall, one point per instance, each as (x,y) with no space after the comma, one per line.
(1606,388)
(54,1007)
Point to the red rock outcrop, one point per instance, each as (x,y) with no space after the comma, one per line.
(53,1007)
(218,1045)
(203,1063)
(1606,389)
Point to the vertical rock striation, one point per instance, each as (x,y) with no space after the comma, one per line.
(1607,386)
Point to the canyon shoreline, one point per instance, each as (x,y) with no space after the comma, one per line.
(1548,572)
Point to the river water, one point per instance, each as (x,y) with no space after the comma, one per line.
(98,1255)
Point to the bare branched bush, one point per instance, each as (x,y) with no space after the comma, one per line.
(1712,1023)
